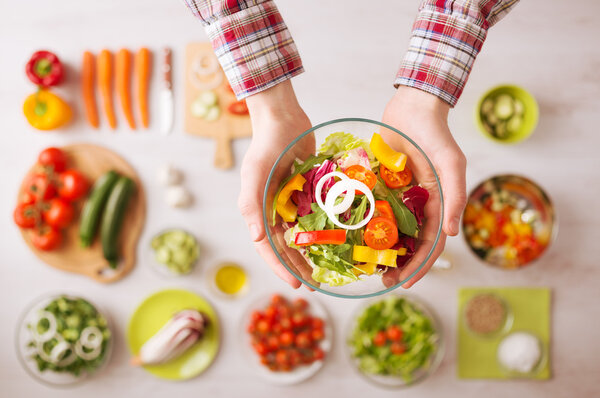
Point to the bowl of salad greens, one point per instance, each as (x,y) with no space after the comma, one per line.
(63,339)
(395,341)
(353,208)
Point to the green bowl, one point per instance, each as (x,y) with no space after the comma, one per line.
(530,113)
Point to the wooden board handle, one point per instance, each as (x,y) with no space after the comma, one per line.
(224,153)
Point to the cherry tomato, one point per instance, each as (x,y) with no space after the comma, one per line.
(282,357)
(300,303)
(53,158)
(28,198)
(381,233)
(303,340)
(251,328)
(295,358)
(270,312)
(46,238)
(396,179)
(286,339)
(59,214)
(238,108)
(318,354)
(40,186)
(379,340)
(358,172)
(72,185)
(286,324)
(277,299)
(394,333)
(383,209)
(317,323)
(317,334)
(263,326)
(299,319)
(255,316)
(272,342)
(26,215)
(261,349)
(397,348)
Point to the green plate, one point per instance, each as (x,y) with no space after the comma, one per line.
(154,312)
(530,309)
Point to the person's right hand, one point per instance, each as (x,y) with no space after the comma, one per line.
(277,119)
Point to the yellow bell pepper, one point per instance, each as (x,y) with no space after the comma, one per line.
(46,111)
(365,254)
(393,160)
(285,207)
(364,269)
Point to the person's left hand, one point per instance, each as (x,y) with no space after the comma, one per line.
(423,117)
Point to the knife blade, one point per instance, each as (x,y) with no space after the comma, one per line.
(166,105)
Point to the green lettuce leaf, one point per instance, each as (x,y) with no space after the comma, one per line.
(341,142)
(314,221)
(331,264)
(407,223)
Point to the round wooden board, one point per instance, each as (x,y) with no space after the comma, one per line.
(93,161)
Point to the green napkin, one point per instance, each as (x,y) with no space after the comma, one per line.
(531,310)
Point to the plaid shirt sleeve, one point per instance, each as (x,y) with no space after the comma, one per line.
(447,36)
(251,40)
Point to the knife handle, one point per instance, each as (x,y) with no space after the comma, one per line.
(167,68)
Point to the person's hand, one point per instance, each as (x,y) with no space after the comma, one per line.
(423,117)
(277,119)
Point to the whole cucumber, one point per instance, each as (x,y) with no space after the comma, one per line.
(112,219)
(92,210)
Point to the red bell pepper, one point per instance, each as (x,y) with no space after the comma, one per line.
(238,108)
(326,237)
(44,69)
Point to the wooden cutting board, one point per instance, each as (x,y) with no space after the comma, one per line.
(227,127)
(93,161)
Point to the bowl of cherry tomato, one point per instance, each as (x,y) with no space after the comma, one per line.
(509,221)
(286,341)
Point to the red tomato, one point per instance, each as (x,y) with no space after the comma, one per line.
(270,312)
(59,214)
(317,334)
(295,358)
(381,233)
(72,185)
(285,323)
(28,198)
(286,339)
(46,238)
(277,299)
(317,323)
(238,108)
(379,340)
(40,186)
(318,354)
(53,158)
(251,328)
(394,333)
(383,209)
(282,358)
(397,348)
(283,311)
(300,304)
(272,342)
(396,179)
(255,316)
(25,215)
(261,349)
(303,340)
(263,326)
(299,319)
(358,172)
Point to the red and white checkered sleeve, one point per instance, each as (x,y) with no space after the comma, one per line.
(252,42)
(447,36)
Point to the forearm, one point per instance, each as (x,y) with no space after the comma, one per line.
(445,41)
(252,42)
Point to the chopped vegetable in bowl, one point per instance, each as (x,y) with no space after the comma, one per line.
(176,251)
(395,341)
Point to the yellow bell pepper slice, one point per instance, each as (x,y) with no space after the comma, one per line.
(285,207)
(365,254)
(393,160)
(364,269)
(46,111)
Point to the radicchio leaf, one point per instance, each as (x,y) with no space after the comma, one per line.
(415,200)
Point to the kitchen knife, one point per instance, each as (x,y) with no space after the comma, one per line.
(166,94)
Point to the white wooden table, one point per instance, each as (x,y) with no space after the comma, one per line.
(351,54)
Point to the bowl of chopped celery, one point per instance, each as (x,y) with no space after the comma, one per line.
(507,114)
(353,208)
(395,341)
(63,339)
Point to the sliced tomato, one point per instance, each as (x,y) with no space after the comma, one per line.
(325,237)
(26,215)
(46,238)
(381,233)
(59,214)
(53,158)
(238,108)
(395,179)
(72,185)
(383,209)
(359,173)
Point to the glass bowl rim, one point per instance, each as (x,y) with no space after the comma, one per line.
(362,120)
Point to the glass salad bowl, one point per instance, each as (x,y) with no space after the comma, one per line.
(509,221)
(63,339)
(343,262)
(410,346)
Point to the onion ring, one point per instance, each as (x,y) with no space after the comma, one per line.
(87,356)
(210,85)
(91,337)
(48,334)
(198,64)
(348,199)
(57,354)
(348,185)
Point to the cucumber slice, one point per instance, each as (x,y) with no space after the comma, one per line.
(514,124)
(492,119)
(163,255)
(519,107)
(214,112)
(500,130)
(487,106)
(177,250)
(208,98)
(504,107)
(198,109)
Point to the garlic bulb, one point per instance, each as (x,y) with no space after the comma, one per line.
(169,175)
(178,196)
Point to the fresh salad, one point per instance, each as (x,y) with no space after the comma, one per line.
(352,209)
(393,337)
(69,336)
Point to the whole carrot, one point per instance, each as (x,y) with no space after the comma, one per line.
(143,59)
(105,85)
(123,81)
(88,89)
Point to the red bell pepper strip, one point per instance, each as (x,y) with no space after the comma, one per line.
(44,69)
(238,108)
(326,237)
